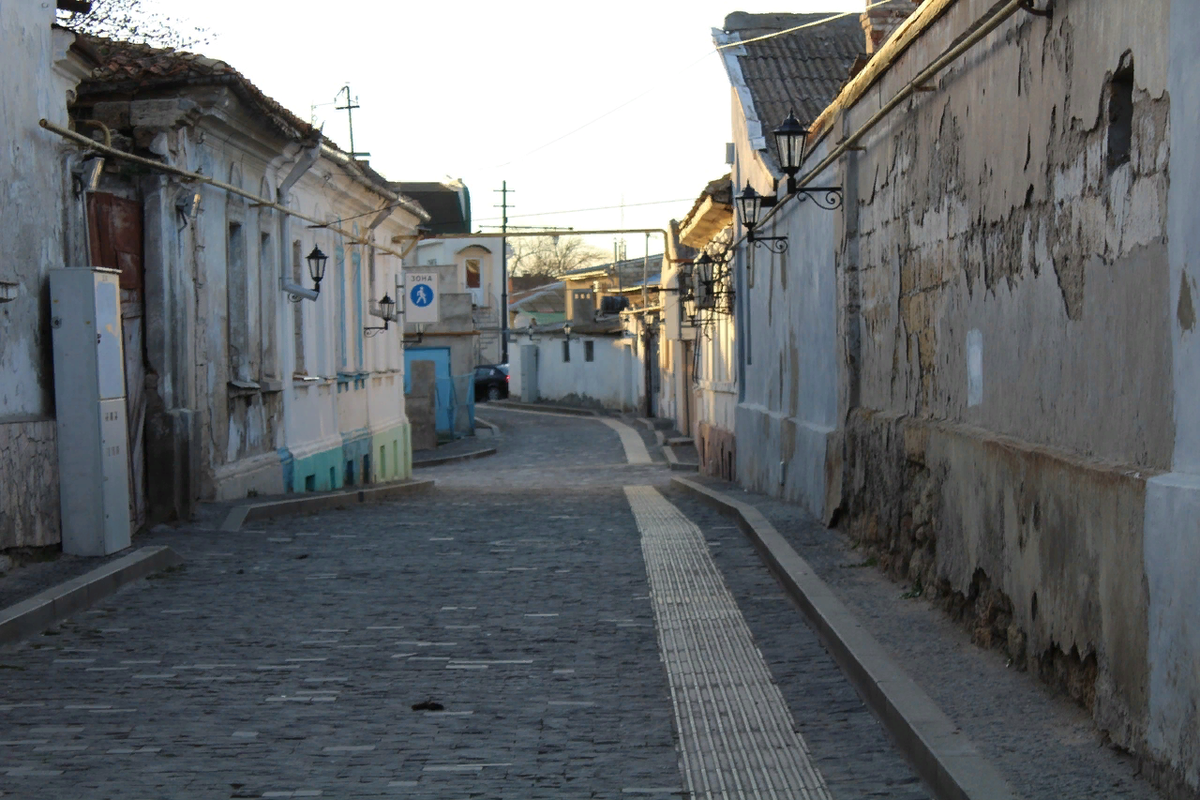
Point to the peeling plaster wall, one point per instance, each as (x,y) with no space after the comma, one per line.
(1011,392)
(35,192)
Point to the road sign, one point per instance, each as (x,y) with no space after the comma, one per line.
(421,297)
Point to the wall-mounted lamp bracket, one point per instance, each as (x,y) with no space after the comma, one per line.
(776,244)
(826,197)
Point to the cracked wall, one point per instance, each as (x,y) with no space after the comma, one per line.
(1014,378)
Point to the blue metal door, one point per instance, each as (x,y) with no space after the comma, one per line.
(440,356)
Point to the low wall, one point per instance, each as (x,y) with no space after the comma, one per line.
(1037,552)
(29,501)
(718,452)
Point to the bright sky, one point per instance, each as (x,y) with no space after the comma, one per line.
(577,106)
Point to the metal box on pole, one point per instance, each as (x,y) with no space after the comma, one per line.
(89,392)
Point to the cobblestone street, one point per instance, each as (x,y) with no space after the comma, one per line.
(285,660)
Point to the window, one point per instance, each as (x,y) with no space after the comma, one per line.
(265,347)
(1120,113)
(589,351)
(473,272)
(237,311)
(566,350)
(298,311)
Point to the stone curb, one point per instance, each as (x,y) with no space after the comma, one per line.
(59,602)
(674,462)
(548,409)
(493,426)
(433,462)
(940,753)
(320,502)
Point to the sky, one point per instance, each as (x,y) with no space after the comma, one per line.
(619,106)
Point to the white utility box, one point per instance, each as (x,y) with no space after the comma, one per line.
(89,393)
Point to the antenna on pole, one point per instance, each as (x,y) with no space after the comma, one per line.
(351,104)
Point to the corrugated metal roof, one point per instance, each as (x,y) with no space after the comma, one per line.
(801,71)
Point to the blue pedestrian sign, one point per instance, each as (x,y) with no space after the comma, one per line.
(421,292)
(421,295)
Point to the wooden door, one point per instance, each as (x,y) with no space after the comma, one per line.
(115,242)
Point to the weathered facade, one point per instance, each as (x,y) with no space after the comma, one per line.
(41,231)
(980,364)
(247,393)
(1005,288)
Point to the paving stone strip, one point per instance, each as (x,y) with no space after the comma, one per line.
(736,734)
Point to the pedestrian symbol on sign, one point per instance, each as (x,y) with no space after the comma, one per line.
(421,295)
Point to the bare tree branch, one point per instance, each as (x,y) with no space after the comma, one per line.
(550,256)
(130,21)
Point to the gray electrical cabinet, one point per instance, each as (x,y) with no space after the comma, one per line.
(89,392)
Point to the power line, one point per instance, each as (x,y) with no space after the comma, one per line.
(597,208)
(717,49)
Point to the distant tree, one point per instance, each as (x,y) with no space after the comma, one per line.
(131,21)
(548,257)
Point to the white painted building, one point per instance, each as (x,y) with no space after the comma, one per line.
(249,393)
(478,261)
(41,231)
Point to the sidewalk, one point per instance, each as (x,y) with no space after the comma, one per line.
(1044,745)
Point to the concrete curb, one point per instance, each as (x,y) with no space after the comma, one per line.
(546,409)
(940,753)
(493,426)
(674,463)
(433,462)
(55,604)
(319,502)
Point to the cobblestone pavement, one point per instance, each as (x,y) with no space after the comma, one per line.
(512,602)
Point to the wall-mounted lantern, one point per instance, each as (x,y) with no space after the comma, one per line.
(713,285)
(387,310)
(791,140)
(750,204)
(8,291)
(316,270)
(316,267)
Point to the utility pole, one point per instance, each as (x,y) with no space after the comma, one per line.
(351,104)
(503,190)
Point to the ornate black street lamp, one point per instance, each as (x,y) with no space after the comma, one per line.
(387,310)
(316,266)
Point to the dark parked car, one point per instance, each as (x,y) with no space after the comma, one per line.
(491,381)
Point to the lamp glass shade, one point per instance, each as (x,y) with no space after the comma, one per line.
(316,264)
(387,306)
(789,140)
(704,269)
(750,205)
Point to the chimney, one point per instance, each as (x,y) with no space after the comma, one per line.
(880,22)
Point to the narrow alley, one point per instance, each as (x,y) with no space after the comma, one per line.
(566,623)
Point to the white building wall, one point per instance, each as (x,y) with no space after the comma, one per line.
(614,379)
(34,188)
(788,411)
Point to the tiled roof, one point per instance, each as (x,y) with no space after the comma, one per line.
(126,67)
(801,71)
